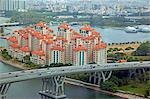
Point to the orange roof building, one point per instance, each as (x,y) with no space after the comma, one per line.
(12,39)
(63,46)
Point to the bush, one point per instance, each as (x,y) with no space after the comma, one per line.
(5,54)
(32,65)
(129,48)
(143,49)
(115,80)
(59,64)
(109,86)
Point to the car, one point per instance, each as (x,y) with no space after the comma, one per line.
(23,71)
(93,67)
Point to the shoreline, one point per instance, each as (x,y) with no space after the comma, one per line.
(97,88)
(16,65)
(77,82)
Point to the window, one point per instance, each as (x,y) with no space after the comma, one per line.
(57,56)
(54,57)
(83,58)
(80,58)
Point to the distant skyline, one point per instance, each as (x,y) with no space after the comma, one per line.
(140,2)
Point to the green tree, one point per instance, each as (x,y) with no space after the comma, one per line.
(143,49)
(109,86)
(115,80)
(129,48)
(5,54)
(26,58)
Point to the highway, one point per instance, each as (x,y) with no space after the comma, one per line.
(47,72)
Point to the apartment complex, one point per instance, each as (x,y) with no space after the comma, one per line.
(13,5)
(45,46)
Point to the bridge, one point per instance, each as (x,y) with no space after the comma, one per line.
(53,78)
(10,24)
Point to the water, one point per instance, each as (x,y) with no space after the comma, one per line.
(116,35)
(3,19)
(29,89)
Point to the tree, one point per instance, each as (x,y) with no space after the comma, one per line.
(5,54)
(109,86)
(115,80)
(129,48)
(26,58)
(143,49)
(119,55)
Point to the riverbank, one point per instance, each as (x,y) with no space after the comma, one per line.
(120,94)
(14,64)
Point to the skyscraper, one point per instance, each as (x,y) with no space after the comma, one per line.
(12,5)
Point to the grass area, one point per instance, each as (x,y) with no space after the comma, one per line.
(136,88)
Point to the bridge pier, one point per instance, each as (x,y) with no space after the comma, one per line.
(3,90)
(98,77)
(53,88)
(134,72)
(1,30)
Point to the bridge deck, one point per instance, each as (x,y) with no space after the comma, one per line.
(40,73)
(10,24)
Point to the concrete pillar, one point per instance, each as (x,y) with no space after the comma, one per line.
(1,30)
(3,90)
(97,77)
(53,87)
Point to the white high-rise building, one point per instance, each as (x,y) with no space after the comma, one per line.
(12,5)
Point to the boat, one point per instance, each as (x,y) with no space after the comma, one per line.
(130,29)
(144,28)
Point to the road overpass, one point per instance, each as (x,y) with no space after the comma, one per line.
(10,24)
(53,78)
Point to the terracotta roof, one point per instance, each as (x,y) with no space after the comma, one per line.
(47,36)
(91,37)
(41,24)
(37,34)
(16,45)
(75,33)
(77,37)
(87,28)
(57,47)
(65,26)
(61,38)
(12,39)
(121,61)
(101,45)
(25,36)
(25,49)
(95,33)
(80,48)
(49,29)
(48,41)
(38,52)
